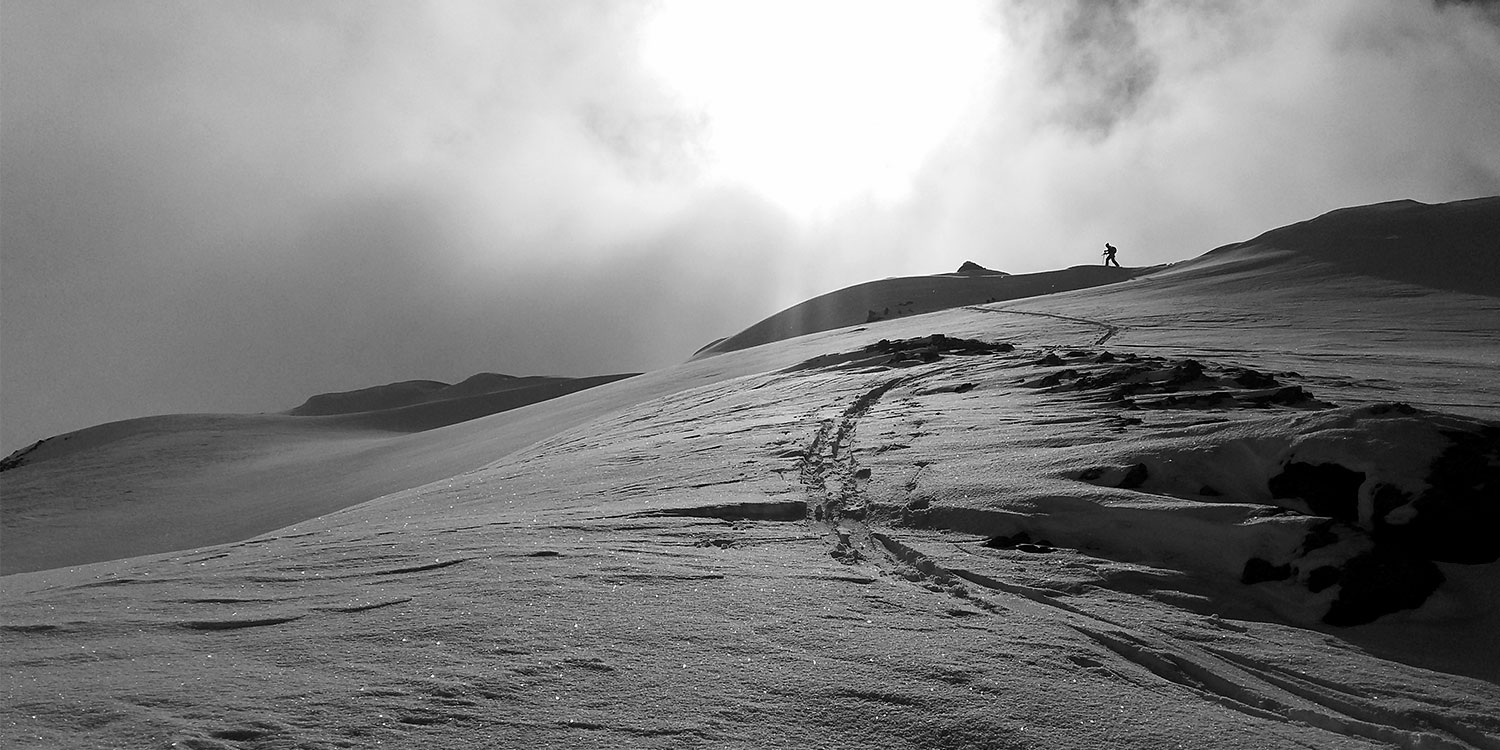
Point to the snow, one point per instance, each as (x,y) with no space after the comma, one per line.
(829,541)
(886,299)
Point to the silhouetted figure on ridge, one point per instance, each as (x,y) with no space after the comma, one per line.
(1109,255)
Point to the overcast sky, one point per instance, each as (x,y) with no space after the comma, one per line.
(230,206)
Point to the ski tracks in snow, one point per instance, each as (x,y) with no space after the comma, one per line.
(1264,690)
(828,470)
(838,508)
(1110,329)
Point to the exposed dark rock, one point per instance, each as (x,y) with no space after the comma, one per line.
(1457,518)
(769,511)
(19,457)
(903,352)
(1328,489)
(1374,578)
(1202,401)
(1322,578)
(1186,371)
(1319,536)
(1380,582)
(1129,478)
(1159,383)
(1134,478)
(970,267)
(1247,378)
(1375,563)
(1387,498)
(1008,542)
(1053,379)
(1291,395)
(931,348)
(1258,570)
(1036,548)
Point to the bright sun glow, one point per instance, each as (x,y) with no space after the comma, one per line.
(814,103)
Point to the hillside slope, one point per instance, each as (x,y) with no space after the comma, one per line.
(913,295)
(1247,502)
(1453,246)
(103,492)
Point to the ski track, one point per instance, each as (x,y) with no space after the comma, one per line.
(830,475)
(1110,329)
(838,509)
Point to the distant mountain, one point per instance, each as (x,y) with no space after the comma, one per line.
(389,396)
(414,405)
(335,450)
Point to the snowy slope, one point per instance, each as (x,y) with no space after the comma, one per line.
(102,493)
(1125,516)
(885,299)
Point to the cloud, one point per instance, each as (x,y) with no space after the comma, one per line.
(218,207)
(232,206)
(1170,127)
(1091,66)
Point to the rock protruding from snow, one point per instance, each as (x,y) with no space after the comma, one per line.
(905,352)
(1400,488)
(970,267)
(1424,482)
(1135,382)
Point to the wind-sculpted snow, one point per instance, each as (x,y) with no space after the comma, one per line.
(1425,487)
(792,558)
(1249,504)
(1400,489)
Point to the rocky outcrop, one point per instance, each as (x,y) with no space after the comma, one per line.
(970,267)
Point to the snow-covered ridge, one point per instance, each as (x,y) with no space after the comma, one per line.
(1244,502)
(1453,246)
(412,392)
(905,296)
